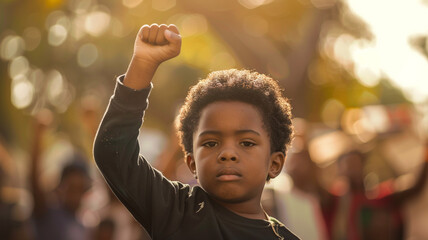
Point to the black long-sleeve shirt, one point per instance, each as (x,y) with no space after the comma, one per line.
(166,209)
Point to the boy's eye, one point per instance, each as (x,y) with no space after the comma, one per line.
(210,144)
(247,144)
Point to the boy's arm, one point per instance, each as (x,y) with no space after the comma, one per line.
(142,189)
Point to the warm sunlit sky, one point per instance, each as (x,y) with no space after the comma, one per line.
(390,53)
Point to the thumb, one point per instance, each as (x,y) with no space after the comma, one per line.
(172,34)
(172,37)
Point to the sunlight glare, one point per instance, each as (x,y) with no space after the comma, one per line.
(397,59)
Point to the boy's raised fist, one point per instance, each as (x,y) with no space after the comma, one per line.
(157,43)
(153,45)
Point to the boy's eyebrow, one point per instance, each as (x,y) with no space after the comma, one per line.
(238,132)
(247,131)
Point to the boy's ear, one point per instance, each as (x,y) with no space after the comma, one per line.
(190,161)
(277,160)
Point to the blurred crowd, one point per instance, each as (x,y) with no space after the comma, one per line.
(332,187)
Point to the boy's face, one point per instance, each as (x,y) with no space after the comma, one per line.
(231,152)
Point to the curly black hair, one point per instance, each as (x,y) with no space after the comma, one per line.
(245,86)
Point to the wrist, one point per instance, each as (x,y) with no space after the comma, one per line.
(144,62)
(140,73)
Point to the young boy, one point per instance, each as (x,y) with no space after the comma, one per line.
(234,128)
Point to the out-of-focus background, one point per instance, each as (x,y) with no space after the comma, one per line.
(356,72)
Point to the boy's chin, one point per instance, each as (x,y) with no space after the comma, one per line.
(229,199)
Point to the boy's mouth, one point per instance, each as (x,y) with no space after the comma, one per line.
(228,174)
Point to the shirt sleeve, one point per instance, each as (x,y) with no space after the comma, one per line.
(157,203)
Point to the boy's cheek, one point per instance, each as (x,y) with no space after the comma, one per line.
(202,152)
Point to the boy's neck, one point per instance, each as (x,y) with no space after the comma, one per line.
(251,209)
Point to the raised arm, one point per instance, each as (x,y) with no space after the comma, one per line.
(41,122)
(142,189)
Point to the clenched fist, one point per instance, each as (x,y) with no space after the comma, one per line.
(157,43)
(153,45)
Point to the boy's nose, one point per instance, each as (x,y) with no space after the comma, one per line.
(225,158)
(227,154)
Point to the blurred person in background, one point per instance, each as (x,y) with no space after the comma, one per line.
(295,197)
(105,230)
(117,223)
(12,225)
(355,216)
(54,214)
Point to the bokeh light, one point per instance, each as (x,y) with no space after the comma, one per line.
(356,123)
(328,146)
(87,55)
(11,47)
(97,22)
(37,77)
(341,49)
(59,92)
(55,84)
(18,66)
(377,118)
(57,35)
(350,120)
(22,92)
